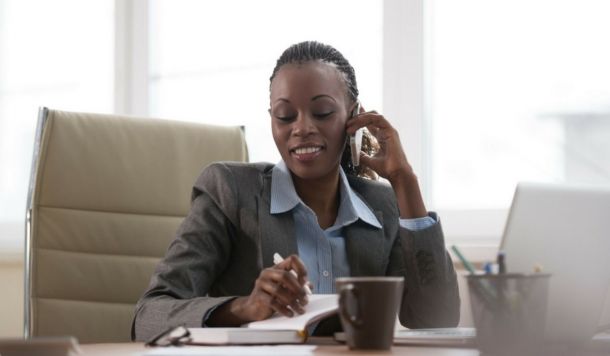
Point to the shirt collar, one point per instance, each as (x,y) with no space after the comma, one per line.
(283,195)
(351,207)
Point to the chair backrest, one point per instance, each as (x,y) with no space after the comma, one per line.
(107,193)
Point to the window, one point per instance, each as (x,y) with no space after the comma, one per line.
(202,61)
(211,61)
(484,94)
(518,91)
(60,56)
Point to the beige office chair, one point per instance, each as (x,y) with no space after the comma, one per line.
(106,196)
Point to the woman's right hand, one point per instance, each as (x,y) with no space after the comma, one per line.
(275,290)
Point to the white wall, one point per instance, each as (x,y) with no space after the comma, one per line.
(11,296)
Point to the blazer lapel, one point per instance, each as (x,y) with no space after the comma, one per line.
(364,246)
(276,231)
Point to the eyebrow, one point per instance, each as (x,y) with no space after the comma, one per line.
(323,96)
(312,99)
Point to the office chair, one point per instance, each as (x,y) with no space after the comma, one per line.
(106,196)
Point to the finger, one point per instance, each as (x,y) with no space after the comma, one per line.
(366,160)
(363,110)
(369,120)
(378,122)
(264,297)
(276,305)
(284,298)
(296,264)
(297,268)
(373,130)
(285,286)
(281,294)
(297,307)
(271,278)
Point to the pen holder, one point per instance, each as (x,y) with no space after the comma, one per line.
(509,311)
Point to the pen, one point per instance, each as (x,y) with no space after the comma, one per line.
(485,290)
(465,262)
(488,268)
(278,259)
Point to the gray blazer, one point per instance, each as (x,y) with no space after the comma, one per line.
(229,236)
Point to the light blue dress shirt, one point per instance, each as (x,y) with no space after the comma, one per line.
(323,251)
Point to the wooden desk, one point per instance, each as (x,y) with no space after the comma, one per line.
(323,347)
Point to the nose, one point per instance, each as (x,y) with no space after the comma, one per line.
(304,125)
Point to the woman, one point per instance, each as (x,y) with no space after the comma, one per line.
(220,272)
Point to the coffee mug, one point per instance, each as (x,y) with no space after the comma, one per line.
(367,308)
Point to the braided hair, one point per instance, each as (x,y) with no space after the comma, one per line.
(315,51)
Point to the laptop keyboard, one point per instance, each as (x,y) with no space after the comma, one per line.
(440,333)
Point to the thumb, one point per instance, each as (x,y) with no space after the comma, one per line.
(365,159)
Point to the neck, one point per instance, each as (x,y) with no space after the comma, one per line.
(321,195)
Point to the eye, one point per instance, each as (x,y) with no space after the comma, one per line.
(323,115)
(288,118)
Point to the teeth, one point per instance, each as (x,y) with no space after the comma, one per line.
(304,150)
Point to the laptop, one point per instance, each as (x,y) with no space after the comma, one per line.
(566,231)
(456,337)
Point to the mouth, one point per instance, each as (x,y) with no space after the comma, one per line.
(306,153)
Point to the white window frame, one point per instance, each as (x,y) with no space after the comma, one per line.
(406,104)
(131,32)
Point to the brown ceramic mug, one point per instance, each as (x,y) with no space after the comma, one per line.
(368,307)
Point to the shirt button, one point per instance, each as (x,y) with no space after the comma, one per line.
(325,273)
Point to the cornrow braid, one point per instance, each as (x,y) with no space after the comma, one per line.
(315,51)
(312,51)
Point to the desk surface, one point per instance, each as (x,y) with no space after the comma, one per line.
(321,348)
(327,346)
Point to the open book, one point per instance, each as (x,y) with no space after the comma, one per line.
(276,330)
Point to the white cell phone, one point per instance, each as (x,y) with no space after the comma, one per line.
(355,140)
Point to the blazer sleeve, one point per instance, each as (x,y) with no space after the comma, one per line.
(179,287)
(430,297)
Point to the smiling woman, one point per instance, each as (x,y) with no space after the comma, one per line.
(220,271)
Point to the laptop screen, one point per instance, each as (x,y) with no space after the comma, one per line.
(566,231)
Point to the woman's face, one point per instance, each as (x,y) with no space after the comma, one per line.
(309,109)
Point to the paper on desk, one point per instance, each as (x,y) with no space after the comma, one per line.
(232,350)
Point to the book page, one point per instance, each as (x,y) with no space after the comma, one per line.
(319,306)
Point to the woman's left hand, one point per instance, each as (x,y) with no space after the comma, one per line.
(390,162)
